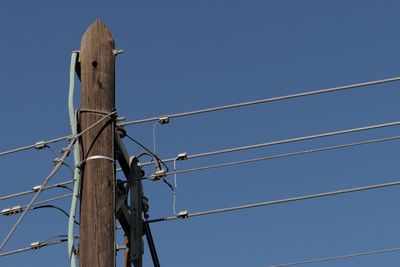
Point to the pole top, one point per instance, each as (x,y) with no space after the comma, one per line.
(98,32)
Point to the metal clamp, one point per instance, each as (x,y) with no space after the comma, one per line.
(85,110)
(96,157)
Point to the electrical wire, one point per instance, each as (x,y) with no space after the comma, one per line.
(38,245)
(61,184)
(154,138)
(219,108)
(175,187)
(54,207)
(266,100)
(42,202)
(51,150)
(285,141)
(280,201)
(50,141)
(66,187)
(46,180)
(47,201)
(76,156)
(297,153)
(338,257)
(41,245)
(55,140)
(157,159)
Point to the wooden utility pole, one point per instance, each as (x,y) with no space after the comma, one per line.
(97,223)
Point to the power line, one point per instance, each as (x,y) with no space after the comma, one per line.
(285,141)
(35,188)
(54,207)
(48,200)
(34,246)
(265,100)
(40,245)
(298,153)
(157,160)
(280,201)
(219,108)
(338,257)
(55,140)
(46,180)
(59,163)
(19,209)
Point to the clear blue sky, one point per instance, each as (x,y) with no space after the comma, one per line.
(186,55)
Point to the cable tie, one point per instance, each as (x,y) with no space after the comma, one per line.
(36,188)
(120,247)
(183,214)
(96,157)
(93,111)
(163,120)
(65,149)
(158,175)
(181,156)
(12,210)
(120,118)
(56,160)
(36,245)
(6,211)
(40,145)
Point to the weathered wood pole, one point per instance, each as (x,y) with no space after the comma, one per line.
(97,223)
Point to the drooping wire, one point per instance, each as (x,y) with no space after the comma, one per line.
(280,201)
(341,257)
(154,138)
(266,100)
(285,141)
(65,187)
(46,201)
(157,160)
(54,207)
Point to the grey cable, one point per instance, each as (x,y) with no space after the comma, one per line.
(33,191)
(54,207)
(63,138)
(266,100)
(285,141)
(47,201)
(280,201)
(46,180)
(338,257)
(154,138)
(94,124)
(55,140)
(46,244)
(175,187)
(297,153)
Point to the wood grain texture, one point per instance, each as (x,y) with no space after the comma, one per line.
(97,229)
